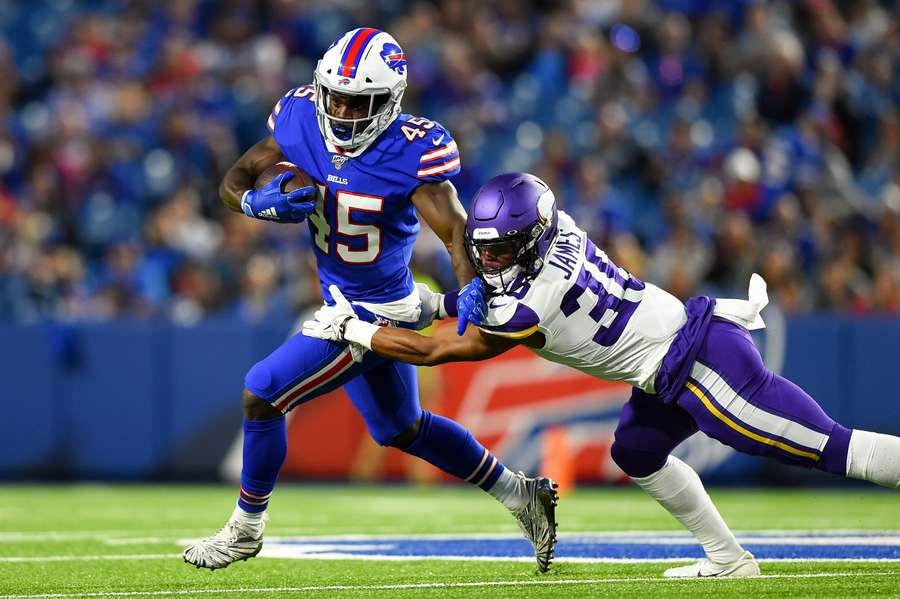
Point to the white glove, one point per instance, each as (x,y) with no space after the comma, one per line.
(332,322)
(430,304)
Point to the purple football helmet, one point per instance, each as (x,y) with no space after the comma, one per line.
(512,223)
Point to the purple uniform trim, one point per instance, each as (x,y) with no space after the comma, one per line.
(522,319)
(450,303)
(757,431)
(650,429)
(677,363)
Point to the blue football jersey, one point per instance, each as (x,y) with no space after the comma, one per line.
(365,224)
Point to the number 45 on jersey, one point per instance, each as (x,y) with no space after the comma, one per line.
(346,202)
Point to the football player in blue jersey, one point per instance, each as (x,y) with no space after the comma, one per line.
(377,171)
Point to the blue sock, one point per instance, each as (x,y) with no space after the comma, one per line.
(265,446)
(447,445)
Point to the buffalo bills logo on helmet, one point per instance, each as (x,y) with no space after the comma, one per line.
(394,58)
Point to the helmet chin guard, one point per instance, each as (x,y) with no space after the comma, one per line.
(368,66)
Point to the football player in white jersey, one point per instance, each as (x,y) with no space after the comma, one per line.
(693,366)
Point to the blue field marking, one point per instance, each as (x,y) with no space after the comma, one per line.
(771,545)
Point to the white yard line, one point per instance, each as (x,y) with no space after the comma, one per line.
(418,558)
(440,585)
(87,558)
(125,537)
(89,535)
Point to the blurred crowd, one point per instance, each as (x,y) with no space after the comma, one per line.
(697,140)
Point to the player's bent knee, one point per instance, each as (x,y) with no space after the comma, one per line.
(634,462)
(259,379)
(404,439)
(256,408)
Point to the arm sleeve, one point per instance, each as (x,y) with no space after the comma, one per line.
(448,304)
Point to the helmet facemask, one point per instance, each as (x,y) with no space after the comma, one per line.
(378,107)
(505,263)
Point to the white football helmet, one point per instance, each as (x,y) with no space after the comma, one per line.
(369,66)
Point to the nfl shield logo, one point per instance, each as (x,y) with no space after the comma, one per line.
(339,161)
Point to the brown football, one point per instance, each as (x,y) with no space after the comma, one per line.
(300,179)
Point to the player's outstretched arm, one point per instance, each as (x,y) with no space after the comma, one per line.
(439,206)
(444,346)
(242,175)
(340,323)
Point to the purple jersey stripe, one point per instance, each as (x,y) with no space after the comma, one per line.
(523,319)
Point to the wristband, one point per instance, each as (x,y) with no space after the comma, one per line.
(358,331)
(447,307)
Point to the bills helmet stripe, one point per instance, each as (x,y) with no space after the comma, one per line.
(440,168)
(450,148)
(354,51)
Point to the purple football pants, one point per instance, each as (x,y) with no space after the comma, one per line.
(733,398)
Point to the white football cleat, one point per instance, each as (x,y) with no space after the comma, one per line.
(237,540)
(745,566)
(537,519)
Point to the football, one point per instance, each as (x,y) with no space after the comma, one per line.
(300,179)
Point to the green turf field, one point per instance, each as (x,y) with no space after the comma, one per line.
(61,541)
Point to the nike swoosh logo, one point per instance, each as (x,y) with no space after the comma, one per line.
(438,141)
(496,305)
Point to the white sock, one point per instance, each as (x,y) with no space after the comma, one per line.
(874,457)
(509,490)
(252,518)
(678,489)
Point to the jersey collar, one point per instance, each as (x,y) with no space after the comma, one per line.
(348,153)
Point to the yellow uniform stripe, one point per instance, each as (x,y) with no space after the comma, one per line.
(718,414)
(514,334)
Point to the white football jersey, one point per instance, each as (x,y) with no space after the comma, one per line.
(595,316)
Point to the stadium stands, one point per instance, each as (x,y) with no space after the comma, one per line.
(698,140)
